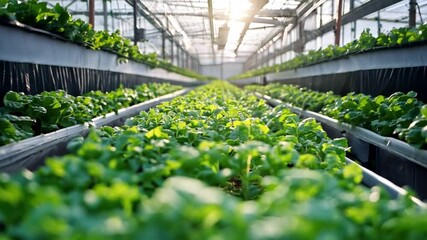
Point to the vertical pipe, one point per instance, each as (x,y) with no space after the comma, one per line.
(188,61)
(338,23)
(92,13)
(353,24)
(379,23)
(412,13)
(178,55)
(172,53)
(301,36)
(184,59)
(321,15)
(222,65)
(193,64)
(211,27)
(112,18)
(342,27)
(198,66)
(256,60)
(135,28)
(104,8)
(163,44)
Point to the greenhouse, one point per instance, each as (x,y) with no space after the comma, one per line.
(213,119)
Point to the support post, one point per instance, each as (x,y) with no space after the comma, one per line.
(338,23)
(211,28)
(178,56)
(353,24)
(135,27)
(172,53)
(112,19)
(92,13)
(412,13)
(163,44)
(104,8)
(256,59)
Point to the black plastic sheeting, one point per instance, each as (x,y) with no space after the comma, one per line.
(374,82)
(391,166)
(30,153)
(36,78)
(375,153)
(401,172)
(395,168)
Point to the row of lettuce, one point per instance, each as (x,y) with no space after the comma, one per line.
(399,115)
(58,20)
(217,163)
(24,116)
(366,42)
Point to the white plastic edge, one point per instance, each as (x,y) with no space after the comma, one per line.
(17,155)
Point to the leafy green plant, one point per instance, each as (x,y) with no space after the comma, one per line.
(24,116)
(57,20)
(400,115)
(396,37)
(416,133)
(298,96)
(132,181)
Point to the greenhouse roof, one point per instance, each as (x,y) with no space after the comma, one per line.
(217,31)
(223,30)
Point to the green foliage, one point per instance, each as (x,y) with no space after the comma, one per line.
(416,133)
(24,116)
(58,21)
(171,173)
(399,115)
(301,97)
(385,116)
(396,37)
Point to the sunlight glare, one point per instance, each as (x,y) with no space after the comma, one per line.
(239,9)
(234,34)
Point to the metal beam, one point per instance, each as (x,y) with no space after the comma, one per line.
(101,13)
(211,26)
(412,13)
(71,3)
(301,11)
(357,13)
(270,37)
(263,27)
(366,9)
(92,13)
(204,15)
(305,9)
(254,20)
(221,16)
(135,27)
(183,5)
(148,15)
(163,45)
(273,34)
(105,14)
(385,20)
(277,13)
(338,23)
(256,6)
